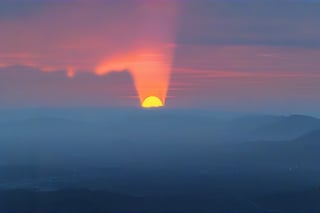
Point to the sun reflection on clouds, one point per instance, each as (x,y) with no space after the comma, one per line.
(101,39)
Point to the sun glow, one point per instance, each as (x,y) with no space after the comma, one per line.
(152,102)
(150,70)
(149,58)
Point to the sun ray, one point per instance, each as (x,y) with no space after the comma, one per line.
(150,58)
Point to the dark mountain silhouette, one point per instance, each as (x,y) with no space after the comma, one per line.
(303,150)
(251,122)
(311,139)
(240,129)
(287,128)
(306,148)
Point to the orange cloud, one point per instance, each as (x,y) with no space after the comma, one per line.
(150,60)
(97,36)
(150,69)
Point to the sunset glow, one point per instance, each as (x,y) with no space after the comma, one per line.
(150,70)
(149,60)
(118,53)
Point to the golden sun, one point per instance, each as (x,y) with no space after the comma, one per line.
(152,102)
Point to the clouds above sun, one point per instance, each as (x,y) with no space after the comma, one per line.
(225,52)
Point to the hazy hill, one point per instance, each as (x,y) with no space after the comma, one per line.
(306,148)
(269,127)
(311,139)
(286,128)
(302,151)
(241,128)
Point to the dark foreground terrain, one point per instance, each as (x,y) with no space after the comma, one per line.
(124,161)
(82,200)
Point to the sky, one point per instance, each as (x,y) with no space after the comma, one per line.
(254,55)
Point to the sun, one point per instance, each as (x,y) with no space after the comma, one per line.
(152,102)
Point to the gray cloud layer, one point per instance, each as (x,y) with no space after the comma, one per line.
(273,22)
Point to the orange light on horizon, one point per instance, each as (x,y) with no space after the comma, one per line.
(71,73)
(149,58)
(150,71)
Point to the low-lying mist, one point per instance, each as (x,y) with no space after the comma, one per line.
(162,153)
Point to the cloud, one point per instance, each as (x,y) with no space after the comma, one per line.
(88,36)
(26,87)
(219,51)
(273,23)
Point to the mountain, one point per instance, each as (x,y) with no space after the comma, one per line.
(241,128)
(302,151)
(306,148)
(287,128)
(311,139)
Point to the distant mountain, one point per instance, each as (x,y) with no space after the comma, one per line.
(241,128)
(287,128)
(303,150)
(307,147)
(310,139)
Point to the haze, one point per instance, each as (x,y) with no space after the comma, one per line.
(236,85)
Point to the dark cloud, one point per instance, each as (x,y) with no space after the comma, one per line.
(280,23)
(15,9)
(21,86)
